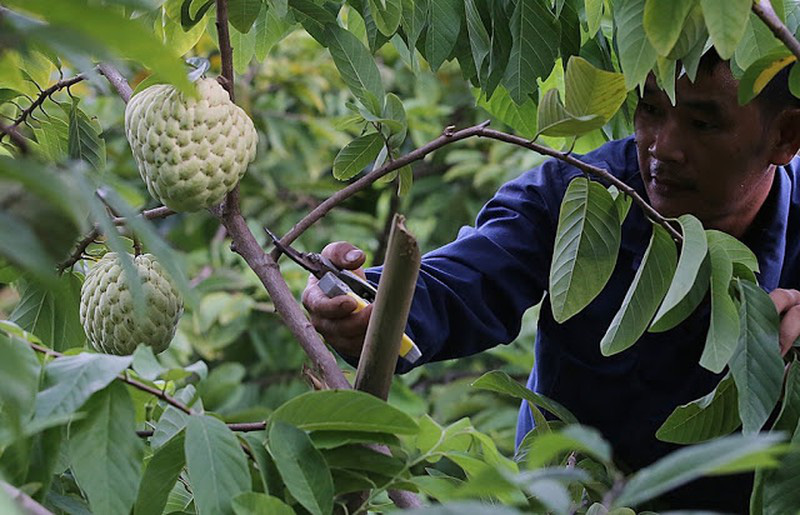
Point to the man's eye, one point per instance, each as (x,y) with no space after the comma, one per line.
(648,108)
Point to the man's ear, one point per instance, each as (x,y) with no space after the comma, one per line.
(787,136)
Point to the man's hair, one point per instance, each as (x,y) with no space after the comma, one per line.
(774,98)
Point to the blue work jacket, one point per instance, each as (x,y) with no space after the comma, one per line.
(471,295)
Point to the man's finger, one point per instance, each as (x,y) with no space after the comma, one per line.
(344,255)
(784,299)
(790,328)
(319,304)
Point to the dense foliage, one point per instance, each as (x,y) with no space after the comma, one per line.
(233,417)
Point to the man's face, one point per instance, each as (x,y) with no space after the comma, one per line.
(707,155)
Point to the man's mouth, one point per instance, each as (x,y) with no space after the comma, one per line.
(665,182)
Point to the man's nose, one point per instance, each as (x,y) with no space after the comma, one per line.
(667,144)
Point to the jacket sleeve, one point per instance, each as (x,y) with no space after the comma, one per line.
(471,293)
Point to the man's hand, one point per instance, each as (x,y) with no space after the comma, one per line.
(334,318)
(787,302)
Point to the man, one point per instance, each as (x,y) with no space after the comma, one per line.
(729,165)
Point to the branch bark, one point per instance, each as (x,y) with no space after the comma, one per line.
(763,9)
(116,79)
(43,95)
(451,136)
(24,501)
(225,50)
(390,312)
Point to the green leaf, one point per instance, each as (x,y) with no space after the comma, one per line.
(20,371)
(160,476)
(20,246)
(689,463)
(345,410)
(521,118)
(723,331)
(444,26)
(663,21)
(693,253)
(498,381)
(480,42)
(243,13)
(217,465)
(52,134)
(331,439)
(357,68)
(726,21)
(782,484)
(109,28)
(789,416)
(252,503)
(758,74)
(71,380)
(758,41)
(594,14)
(713,415)
(244,48)
(105,453)
(187,22)
(636,55)
(270,478)
(52,314)
(360,458)
(586,247)
(386,14)
(536,34)
(686,307)
(270,28)
(646,291)
(357,155)
(547,446)
(592,91)
(554,120)
(302,468)
(756,365)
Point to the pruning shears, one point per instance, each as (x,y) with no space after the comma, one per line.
(334,281)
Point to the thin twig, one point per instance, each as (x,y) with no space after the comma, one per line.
(242,427)
(450,135)
(763,9)
(133,382)
(80,248)
(225,50)
(44,94)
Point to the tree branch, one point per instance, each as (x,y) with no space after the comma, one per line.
(43,95)
(16,138)
(763,9)
(117,80)
(451,136)
(225,50)
(242,427)
(24,501)
(80,248)
(133,382)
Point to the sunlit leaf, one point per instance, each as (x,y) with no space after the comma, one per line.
(498,381)
(726,21)
(663,21)
(636,54)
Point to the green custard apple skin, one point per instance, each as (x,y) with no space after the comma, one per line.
(190,151)
(107,307)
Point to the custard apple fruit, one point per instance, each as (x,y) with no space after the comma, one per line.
(191,151)
(107,307)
